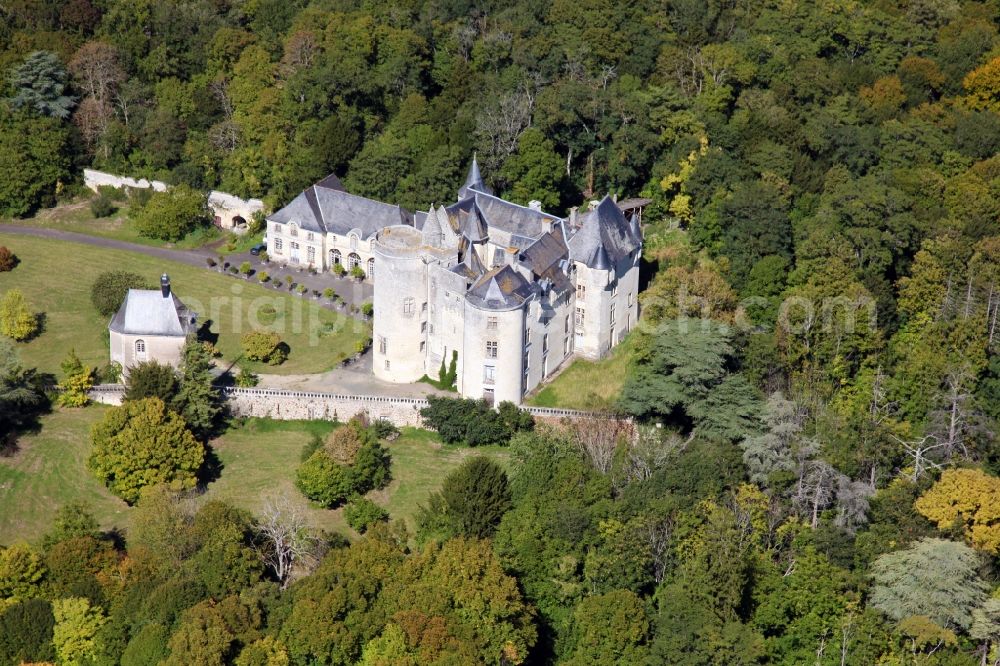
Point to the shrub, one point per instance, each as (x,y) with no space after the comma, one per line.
(211,262)
(173,214)
(352,462)
(245,268)
(110,288)
(18,320)
(264,257)
(289,280)
(358,273)
(8,260)
(301,289)
(367,309)
(101,206)
(339,270)
(265,347)
(474,422)
(263,276)
(234,270)
(112,193)
(361,513)
(328,293)
(151,379)
(247,378)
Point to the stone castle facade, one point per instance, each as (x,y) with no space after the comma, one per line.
(510,292)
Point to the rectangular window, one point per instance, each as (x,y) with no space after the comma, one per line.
(491,349)
(545,343)
(614,288)
(423,327)
(311,255)
(407,306)
(566,327)
(386,364)
(382,343)
(277,245)
(293,230)
(423,308)
(631,297)
(276,228)
(580,315)
(491,322)
(612,314)
(423,346)
(295,246)
(581,291)
(489,374)
(309,236)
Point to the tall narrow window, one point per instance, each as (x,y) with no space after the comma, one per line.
(489,374)
(140,347)
(612,314)
(277,245)
(382,343)
(580,315)
(491,349)
(407,306)
(545,343)
(491,322)
(581,291)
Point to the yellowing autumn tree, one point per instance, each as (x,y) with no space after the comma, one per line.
(971,497)
(982,86)
(17,321)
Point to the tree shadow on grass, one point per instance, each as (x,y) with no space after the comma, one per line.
(211,468)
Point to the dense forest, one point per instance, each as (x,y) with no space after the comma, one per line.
(814,474)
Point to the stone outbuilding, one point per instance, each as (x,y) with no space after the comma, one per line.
(151,325)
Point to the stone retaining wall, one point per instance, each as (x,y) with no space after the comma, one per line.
(304,405)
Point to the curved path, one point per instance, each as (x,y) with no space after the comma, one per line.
(190,257)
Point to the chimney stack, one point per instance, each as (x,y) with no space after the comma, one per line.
(535,204)
(165,285)
(572,217)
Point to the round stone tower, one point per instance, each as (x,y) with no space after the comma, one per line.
(400,302)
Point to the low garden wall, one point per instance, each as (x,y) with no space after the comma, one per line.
(286,405)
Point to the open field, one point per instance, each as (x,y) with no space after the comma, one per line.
(56,276)
(258,457)
(75,216)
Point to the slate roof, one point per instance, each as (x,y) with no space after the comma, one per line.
(470,267)
(473,181)
(604,237)
(325,207)
(545,252)
(502,288)
(148,312)
(499,214)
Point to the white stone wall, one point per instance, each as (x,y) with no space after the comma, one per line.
(446,322)
(226,207)
(162,349)
(95,179)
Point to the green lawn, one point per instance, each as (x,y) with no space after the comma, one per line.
(588,385)
(56,276)
(258,457)
(75,216)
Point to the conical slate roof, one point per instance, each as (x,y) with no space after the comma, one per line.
(502,288)
(473,181)
(604,237)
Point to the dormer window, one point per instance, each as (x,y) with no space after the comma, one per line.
(354,242)
(293,229)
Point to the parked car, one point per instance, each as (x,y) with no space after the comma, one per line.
(258,248)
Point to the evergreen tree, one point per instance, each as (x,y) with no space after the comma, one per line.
(40,86)
(197,400)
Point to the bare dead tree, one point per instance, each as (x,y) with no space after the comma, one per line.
(598,438)
(852,503)
(286,541)
(649,450)
(657,533)
(920,451)
(815,489)
(500,125)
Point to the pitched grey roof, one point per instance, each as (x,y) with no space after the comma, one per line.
(327,207)
(545,252)
(471,267)
(148,312)
(604,237)
(502,288)
(474,181)
(503,215)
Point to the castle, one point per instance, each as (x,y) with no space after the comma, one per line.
(509,292)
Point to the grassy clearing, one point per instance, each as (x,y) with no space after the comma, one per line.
(56,276)
(589,385)
(258,457)
(75,216)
